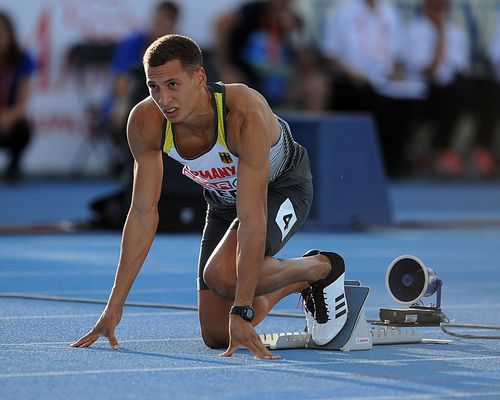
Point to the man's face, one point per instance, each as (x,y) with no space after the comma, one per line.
(174,89)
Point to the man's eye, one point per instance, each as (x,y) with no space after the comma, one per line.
(153,87)
(172,84)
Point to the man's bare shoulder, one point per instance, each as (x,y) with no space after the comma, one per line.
(249,112)
(146,113)
(245,103)
(240,95)
(146,121)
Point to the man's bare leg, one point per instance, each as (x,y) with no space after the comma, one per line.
(213,313)
(275,274)
(278,279)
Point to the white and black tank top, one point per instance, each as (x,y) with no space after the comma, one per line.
(216,169)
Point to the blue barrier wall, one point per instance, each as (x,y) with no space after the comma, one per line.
(350,185)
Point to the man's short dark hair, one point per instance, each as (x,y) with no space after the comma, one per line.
(173,47)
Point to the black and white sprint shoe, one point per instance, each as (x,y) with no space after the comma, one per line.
(327,298)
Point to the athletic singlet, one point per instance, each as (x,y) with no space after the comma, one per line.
(216,169)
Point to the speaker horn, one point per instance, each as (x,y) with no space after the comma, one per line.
(408,280)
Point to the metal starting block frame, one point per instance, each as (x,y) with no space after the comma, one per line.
(357,334)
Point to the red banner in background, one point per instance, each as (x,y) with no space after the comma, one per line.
(48,29)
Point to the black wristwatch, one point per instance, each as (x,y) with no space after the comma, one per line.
(245,312)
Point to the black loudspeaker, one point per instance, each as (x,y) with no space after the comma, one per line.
(407,281)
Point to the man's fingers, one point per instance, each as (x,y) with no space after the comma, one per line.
(230,351)
(271,356)
(261,351)
(83,340)
(256,347)
(90,342)
(113,341)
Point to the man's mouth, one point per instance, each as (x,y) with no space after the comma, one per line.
(169,110)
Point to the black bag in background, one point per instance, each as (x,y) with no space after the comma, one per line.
(181,207)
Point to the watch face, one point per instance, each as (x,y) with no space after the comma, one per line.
(245,312)
(250,314)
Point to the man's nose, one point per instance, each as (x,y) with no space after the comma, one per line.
(161,99)
(164,98)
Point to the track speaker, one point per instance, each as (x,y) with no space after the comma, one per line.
(408,280)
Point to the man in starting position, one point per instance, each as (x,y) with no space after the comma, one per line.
(258,187)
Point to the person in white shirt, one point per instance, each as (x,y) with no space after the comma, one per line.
(489,101)
(364,41)
(438,54)
(494,48)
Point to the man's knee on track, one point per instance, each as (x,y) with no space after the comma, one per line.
(215,337)
(220,283)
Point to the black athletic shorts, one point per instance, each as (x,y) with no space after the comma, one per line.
(288,203)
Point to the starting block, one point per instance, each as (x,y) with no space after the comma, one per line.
(357,333)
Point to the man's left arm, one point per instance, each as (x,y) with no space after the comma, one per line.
(253,171)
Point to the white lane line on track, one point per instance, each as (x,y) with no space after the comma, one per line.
(125,370)
(277,364)
(85,273)
(397,361)
(153,314)
(101,340)
(57,292)
(432,396)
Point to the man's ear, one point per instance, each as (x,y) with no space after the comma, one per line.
(201,76)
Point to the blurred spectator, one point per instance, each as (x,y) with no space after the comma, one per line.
(129,85)
(265,45)
(364,41)
(16,68)
(491,102)
(438,53)
(494,48)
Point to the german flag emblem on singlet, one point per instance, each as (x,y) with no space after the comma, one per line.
(225,158)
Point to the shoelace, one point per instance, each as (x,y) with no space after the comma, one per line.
(308,300)
(321,314)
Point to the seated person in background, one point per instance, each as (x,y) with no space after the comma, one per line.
(128,72)
(16,68)
(364,43)
(490,103)
(265,45)
(438,55)
(362,40)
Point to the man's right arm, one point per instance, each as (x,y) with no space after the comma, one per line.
(143,131)
(142,219)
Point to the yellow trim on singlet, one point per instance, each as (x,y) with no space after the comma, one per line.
(168,144)
(169,138)
(221,135)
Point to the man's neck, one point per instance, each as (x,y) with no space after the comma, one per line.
(202,117)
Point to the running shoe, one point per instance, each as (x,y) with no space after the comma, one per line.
(328,300)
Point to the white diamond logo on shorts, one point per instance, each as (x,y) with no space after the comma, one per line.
(286,218)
